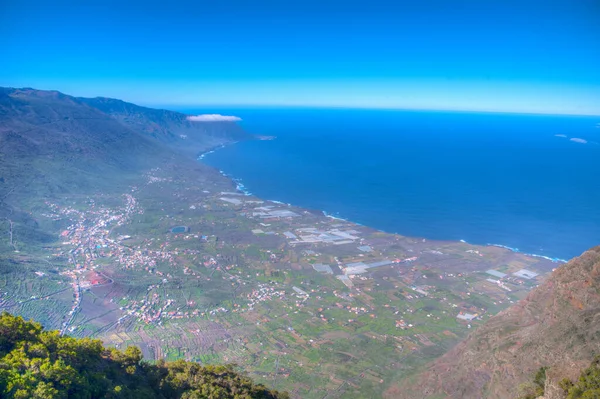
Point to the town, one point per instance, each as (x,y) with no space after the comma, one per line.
(306,302)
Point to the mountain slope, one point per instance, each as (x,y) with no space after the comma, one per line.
(42,131)
(169,127)
(53,144)
(556,326)
(56,141)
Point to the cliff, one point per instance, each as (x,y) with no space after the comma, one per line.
(556,326)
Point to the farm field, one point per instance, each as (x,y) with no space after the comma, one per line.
(189,268)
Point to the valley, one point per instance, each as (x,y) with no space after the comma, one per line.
(305,303)
(167,254)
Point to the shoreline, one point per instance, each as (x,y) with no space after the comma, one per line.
(239,186)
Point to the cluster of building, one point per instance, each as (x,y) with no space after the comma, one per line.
(262,293)
(313,235)
(361,267)
(150,310)
(151,178)
(503,278)
(88,239)
(270,212)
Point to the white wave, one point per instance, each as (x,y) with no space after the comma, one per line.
(504,246)
(241,188)
(336,217)
(205,154)
(555,260)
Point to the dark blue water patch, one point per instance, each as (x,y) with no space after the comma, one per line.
(180,229)
(485,178)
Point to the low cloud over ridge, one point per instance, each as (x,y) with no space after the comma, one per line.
(213,118)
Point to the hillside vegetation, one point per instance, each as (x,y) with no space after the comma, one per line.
(53,145)
(587,386)
(556,327)
(38,364)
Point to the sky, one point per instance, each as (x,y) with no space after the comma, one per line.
(480,55)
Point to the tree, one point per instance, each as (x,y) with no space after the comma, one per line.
(45,365)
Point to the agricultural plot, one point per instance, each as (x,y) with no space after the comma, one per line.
(168,265)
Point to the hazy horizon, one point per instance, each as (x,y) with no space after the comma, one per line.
(215,107)
(516,57)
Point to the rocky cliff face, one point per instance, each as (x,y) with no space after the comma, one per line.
(556,326)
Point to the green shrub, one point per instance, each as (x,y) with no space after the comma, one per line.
(38,364)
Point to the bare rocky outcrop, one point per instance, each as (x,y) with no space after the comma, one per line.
(556,326)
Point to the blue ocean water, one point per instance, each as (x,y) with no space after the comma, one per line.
(485,178)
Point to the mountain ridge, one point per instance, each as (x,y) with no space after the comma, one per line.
(50,124)
(167,126)
(556,326)
(53,144)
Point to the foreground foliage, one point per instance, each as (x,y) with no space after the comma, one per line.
(44,365)
(588,384)
(586,387)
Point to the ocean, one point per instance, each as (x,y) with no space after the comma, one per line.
(527,182)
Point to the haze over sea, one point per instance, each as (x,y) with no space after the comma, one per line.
(484,178)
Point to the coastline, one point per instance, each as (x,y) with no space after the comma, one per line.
(239,186)
(201,155)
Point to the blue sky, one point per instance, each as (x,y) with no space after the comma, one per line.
(484,55)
